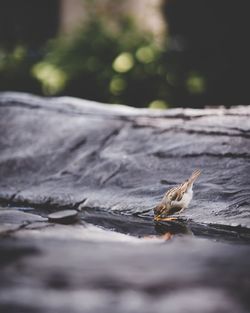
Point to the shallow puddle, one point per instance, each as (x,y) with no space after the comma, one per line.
(144,227)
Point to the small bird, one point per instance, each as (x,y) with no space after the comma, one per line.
(176,199)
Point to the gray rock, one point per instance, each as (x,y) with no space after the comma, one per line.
(64,275)
(74,153)
(7,228)
(12,216)
(115,163)
(64,216)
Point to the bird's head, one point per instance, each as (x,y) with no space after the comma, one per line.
(158,210)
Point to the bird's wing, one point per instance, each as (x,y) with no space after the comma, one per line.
(183,188)
(174,193)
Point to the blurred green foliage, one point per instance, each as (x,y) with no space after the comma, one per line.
(203,60)
(114,66)
(15,66)
(121,65)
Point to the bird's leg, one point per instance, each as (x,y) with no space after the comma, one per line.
(164,219)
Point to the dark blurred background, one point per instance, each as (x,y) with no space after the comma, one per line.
(145,53)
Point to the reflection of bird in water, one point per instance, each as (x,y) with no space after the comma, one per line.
(176,199)
(176,227)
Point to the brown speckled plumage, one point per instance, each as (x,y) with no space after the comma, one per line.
(177,198)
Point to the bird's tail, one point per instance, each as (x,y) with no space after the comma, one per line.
(194,176)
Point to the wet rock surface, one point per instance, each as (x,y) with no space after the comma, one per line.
(65,268)
(111,165)
(75,153)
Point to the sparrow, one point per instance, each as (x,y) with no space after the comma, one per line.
(176,199)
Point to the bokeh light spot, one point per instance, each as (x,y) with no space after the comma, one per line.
(195,83)
(123,63)
(145,54)
(117,85)
(52,78)
(19,53)
(158,104)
